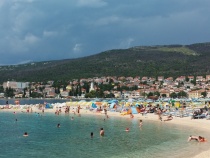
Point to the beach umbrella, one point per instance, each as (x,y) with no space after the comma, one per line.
(113,101)
(197,104)
(149,101)
(131,100)
(98,103)
(173,102)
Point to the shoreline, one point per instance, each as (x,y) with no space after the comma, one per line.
(198,124)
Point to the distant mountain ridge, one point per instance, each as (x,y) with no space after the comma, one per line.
(166,60)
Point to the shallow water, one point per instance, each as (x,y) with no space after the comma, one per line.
(72,139)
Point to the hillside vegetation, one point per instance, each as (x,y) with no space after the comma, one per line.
(169,60)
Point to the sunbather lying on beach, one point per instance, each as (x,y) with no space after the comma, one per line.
(197,138)
(168,118)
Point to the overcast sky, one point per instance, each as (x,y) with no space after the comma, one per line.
(43,30)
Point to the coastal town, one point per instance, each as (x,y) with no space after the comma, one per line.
(111,87)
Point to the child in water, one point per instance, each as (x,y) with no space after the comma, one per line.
(140,123)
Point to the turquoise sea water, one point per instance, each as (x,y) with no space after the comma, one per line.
(72,139)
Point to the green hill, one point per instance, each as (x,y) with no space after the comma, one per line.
(167,60)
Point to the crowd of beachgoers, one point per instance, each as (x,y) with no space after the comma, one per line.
(195,117)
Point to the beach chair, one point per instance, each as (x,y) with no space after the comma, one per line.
(112,110)
(201,116)
(166,113)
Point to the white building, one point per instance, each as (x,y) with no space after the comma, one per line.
(91,87)
(15,85)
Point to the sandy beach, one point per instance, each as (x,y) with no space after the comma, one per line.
(201,124)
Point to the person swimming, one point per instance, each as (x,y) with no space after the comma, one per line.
(25,134)
(127,129)
(91,134)
(197,138)
(58,125)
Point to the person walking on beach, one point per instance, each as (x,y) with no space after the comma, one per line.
(159,112)
(131,115)
(105,112)
(78,109)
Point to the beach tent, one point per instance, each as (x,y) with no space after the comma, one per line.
(134,111)
(177,104)
(172,102)
(130,100)
(112,105)
(149,101)
(48,106)
(94,106)
(113,101)
(98,103)
(137,104)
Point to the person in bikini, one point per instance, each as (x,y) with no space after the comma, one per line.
(197,138)
(169,118)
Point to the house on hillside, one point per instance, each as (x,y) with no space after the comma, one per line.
(200,79)
(207,77)
(15,85)
(117,94)
(160,78)
(49,92)
(135,94)
(194,94)
(180,79)
(164,92)
(169,80)
(191,78)
(144,79)
(64,94)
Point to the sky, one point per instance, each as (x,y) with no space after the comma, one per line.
(44,30)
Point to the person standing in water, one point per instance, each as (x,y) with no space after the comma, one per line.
(140,123)
(102,132)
